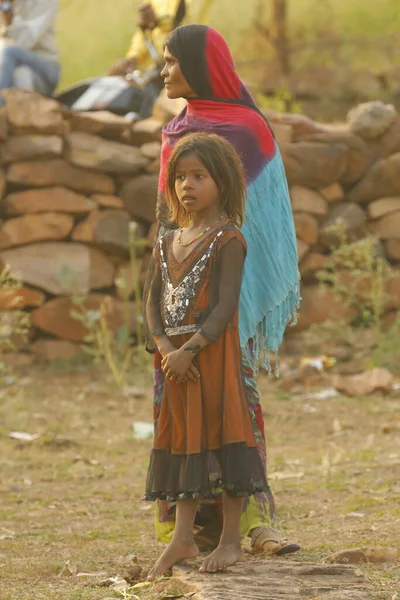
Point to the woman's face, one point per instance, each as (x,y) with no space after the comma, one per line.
(174,81)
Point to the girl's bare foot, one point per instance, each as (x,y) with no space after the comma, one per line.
(224,556)
(176,551)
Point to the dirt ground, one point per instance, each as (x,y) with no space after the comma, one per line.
(73,494)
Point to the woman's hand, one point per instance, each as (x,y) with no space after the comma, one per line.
(178,365)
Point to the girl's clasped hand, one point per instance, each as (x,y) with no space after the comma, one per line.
(178,366)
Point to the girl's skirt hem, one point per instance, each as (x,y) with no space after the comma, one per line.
(235,468)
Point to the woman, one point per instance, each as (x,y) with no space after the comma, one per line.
(199,67)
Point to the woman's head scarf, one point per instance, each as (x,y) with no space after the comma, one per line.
(270,290)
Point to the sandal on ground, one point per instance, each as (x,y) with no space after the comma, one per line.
(268,540)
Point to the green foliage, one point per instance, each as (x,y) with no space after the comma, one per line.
(119,350)
(283,101)
(359,277)
(329,333)
(14,322)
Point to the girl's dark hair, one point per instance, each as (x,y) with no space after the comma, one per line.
(222,162)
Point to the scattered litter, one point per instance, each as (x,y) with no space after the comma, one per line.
(6,536)
(307,408)
(116,583)
(134,392)
(22,436)
(356,515)
(145,507)
(69,569)
(318,363)
(142,431)
(322,395)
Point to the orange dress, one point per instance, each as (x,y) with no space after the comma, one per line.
(203,436)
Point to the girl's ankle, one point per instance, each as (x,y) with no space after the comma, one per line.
(183,539)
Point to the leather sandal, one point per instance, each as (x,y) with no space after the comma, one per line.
(268,540)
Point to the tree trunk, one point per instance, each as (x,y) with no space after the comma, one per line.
(278,35)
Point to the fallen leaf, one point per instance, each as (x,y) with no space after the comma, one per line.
(130,559)
(142,585)
(355,556)
(22,436)
(69,569)
(286,475)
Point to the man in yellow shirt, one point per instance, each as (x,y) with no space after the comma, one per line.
(156,20)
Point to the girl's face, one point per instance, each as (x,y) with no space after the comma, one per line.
(195,188)
(174,81)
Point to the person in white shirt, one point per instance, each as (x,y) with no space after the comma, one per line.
(27,43)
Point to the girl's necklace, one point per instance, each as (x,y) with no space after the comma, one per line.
(199,235)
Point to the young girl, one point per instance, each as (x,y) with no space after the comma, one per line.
(204,442)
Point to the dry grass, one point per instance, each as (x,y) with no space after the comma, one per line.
(74,493)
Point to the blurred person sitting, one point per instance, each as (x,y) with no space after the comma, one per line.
(143,63)
(156,20)
(28,53)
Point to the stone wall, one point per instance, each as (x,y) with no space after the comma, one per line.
(348,172)
(73,187)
